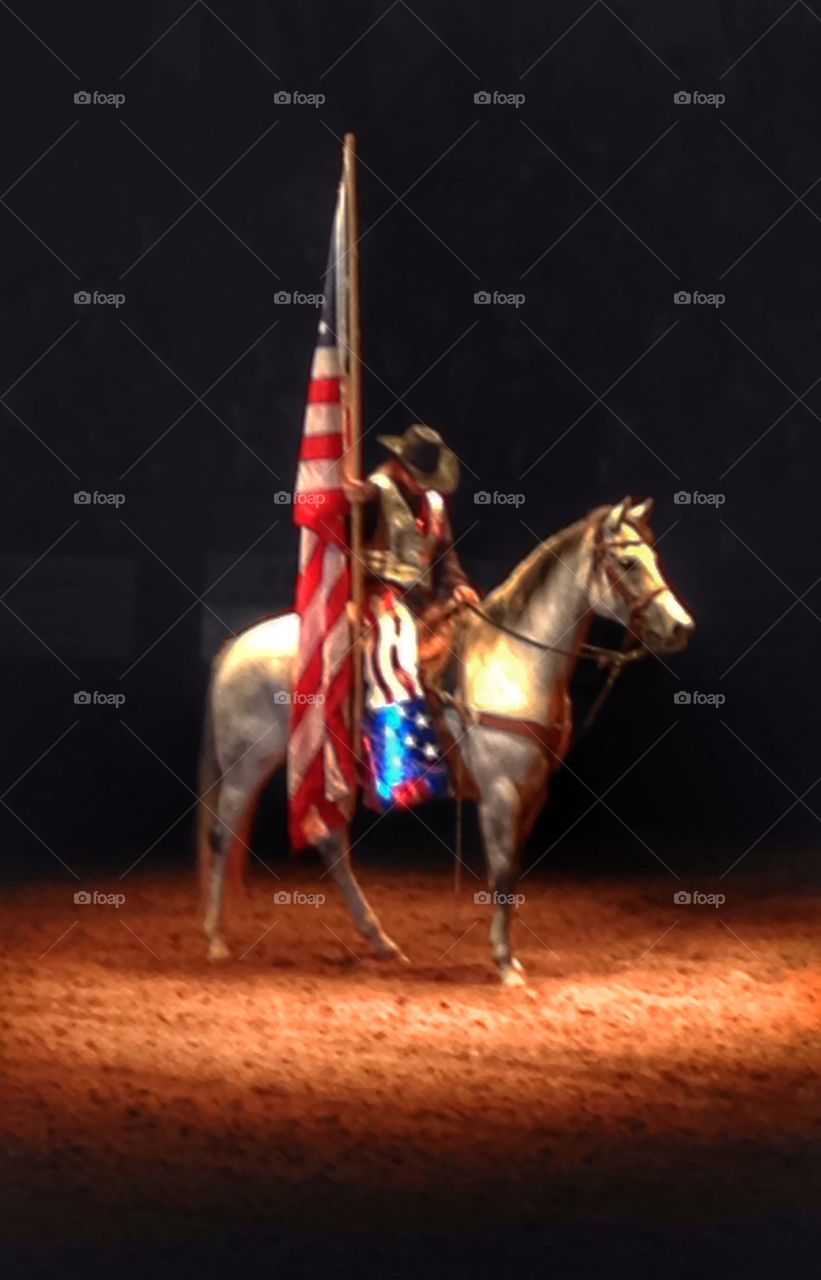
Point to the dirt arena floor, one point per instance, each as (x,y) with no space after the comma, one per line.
(649,1106)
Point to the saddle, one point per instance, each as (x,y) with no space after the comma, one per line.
(441,627)
(438,625)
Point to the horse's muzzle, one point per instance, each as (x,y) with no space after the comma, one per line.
(673,639)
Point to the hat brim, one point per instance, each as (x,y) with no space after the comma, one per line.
(444,479)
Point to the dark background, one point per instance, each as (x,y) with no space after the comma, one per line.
(106,398)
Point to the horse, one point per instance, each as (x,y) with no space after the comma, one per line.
(512,717)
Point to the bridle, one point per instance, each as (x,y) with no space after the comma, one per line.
(636,607)
(615,659)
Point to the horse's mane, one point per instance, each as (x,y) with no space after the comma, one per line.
(507,601)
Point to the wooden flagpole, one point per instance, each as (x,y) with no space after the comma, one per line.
(353,418)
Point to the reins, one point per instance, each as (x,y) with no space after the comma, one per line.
(613,660)
(600,654)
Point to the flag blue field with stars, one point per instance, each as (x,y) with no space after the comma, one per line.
(406,762)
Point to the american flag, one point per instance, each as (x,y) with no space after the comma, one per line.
(406,765)
(402,751)
(321,769)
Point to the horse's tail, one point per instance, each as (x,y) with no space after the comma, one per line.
(208,790)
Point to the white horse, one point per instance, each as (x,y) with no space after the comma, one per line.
(511,717)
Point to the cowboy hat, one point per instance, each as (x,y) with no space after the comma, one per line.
(424,453)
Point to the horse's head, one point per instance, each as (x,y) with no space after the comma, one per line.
(627,583)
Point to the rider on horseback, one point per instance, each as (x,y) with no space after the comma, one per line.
(409,542)
(413,577)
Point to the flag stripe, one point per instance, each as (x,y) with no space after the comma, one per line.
(324,391)
(323,419)
(321,446)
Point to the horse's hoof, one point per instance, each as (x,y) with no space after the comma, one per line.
(512,975)
(217,950)
(388,950)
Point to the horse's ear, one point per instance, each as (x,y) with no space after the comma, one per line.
(615,517)
(643,510)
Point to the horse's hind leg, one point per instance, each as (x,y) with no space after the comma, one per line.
(214,914)
(229,821)
(337,859)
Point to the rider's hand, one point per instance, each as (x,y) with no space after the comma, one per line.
(357,492)
(466,595)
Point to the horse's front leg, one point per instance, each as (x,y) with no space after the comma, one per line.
(499,817)
(337,859)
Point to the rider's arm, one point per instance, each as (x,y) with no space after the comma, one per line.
(452,578)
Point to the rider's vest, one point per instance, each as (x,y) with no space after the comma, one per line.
(404,549)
